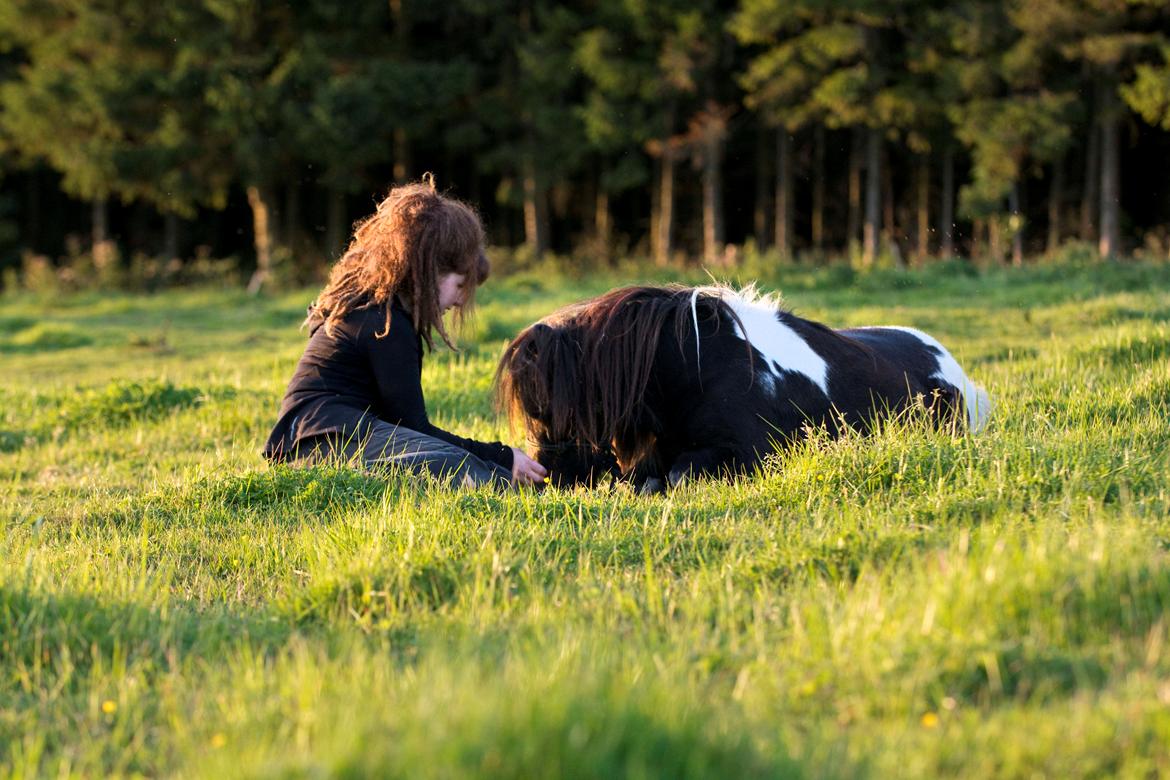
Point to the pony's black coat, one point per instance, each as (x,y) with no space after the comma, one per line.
(707,408)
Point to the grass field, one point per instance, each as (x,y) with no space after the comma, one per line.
(907,605)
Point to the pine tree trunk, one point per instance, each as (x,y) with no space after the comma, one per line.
(475,187)
(1017,225)
(783,193)
(170,237)
(448,170)
(99,211)
(923,249)
(995,240)
(138,228)
(535,210)
(664,233)
(260,200)
(336,229)
(103,247)
(32,212)
(713,197)
(873,199)
(1110,240)
(655,178)
(602,230)
(292,212)
(946,213)
(763,182)
(1090,197)
(889,221)
(818,189)
(402,39)
(401,156)
(853,222)
(1055,206)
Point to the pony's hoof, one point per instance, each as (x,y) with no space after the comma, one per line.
(652,486)
(678,477)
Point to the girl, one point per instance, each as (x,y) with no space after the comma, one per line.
(357,390)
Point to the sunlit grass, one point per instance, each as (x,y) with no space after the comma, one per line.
(906,604)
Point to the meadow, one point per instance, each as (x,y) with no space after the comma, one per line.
(911,604)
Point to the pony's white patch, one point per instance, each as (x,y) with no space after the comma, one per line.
(977,399)
(782,348)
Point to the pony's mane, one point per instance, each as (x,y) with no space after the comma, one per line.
(749,294)
(582,372)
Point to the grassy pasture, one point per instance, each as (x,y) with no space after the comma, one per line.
(905,605)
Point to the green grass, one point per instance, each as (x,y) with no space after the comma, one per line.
(910,604)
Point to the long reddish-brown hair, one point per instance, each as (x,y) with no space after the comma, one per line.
(415,236)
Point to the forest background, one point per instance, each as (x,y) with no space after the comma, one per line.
(145,143)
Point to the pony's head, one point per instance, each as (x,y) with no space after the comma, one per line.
(572,463)
(576,382)
(539,384)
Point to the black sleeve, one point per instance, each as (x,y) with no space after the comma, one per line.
(396,362)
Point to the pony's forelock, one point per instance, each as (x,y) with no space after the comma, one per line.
(586,366)
(527,378)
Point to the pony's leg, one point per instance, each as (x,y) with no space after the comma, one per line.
(707,462)
(651,486)
(646,478)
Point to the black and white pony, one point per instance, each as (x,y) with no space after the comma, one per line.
(664,383)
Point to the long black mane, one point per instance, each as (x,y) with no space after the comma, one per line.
(581,373)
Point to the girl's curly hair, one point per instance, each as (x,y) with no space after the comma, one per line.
(416,235)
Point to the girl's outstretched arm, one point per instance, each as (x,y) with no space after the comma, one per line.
(396,362)
(525,470)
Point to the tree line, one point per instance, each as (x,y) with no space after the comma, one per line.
(911,127)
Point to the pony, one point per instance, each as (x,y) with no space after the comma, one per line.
(662,384)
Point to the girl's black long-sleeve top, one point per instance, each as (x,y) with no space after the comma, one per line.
(345,382)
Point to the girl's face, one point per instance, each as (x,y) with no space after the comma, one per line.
(452,291)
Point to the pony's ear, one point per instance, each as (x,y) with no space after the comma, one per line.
(538,335)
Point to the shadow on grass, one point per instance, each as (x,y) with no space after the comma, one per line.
(1134,350)
(61,636)
(13,440)
(43,337)
(117,404)
(1062,638)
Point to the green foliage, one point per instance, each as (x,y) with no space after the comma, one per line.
(180,104)
(105,101)
(1003,133)
(1149,94)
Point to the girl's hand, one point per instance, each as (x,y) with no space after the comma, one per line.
(526,471)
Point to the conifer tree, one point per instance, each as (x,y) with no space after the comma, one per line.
(104,98)
(827,64)
(620,110)
(1100,42)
